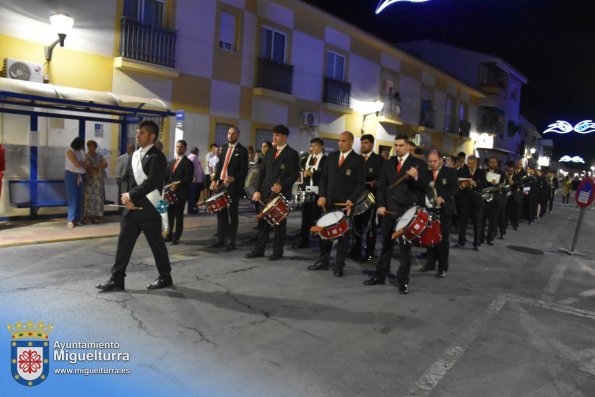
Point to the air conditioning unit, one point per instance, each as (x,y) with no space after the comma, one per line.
(23,70)
(309,119)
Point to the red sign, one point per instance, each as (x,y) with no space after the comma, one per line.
(585,193)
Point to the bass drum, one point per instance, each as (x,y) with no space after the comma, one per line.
(251,180)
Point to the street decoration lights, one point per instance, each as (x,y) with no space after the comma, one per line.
(564,127)
(385,3)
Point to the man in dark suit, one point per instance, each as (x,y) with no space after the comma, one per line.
(393,201)
(342,181)
(279,172)
(443,186)
(180,170)
(472,203)
(310,184)
(231,172)
(143,183)
(515,181)
(366,223)
(494,178)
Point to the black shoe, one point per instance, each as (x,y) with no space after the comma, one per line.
(369,258)
(175,242)
(275,257)
(338,272)
(376,280)
(424,269)
(475,247)
(229,247)
(160,283)
(255,254)
(216,244)
(490,242)
(441,274)
(301,244)
(168,238)
(403,289)
(111,285)
(459,245)
(318,266)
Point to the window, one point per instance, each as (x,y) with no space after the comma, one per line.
(272,45)
(221,133)
(335,66)
(149,12)
(462,111)
(262,135)
(227,31)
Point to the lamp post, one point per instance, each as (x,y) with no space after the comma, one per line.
(62,24)
(376,109)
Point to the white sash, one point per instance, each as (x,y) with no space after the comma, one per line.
(154,196)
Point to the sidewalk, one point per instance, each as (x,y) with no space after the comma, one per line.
(53,230)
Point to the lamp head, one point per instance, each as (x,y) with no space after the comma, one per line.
(62,24)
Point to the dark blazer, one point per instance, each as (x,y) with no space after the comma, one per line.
(237,167)
(447,185)
(154,165)
(479,176)
(184,173)
(316,173)
(283,170)
(339,184)
(373,169)
(407,193)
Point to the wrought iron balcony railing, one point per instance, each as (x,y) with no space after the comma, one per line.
(146,43)
(336,92)
(274,76)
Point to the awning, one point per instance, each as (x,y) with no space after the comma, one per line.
(49,96)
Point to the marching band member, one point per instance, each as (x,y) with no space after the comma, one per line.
(143,183)
(311,181)
(392,201)
(341,181)
(180,170)
(471,202)
(444,185)
(363,224)
(280,171)
(230,172)
(494,178)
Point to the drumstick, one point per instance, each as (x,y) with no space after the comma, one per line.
(123,206)
(391,213)
(401,179)
(171,184)
(343,204)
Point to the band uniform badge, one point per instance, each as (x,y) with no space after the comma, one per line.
(348,172)
(370,170)
(444,181)
(282,167)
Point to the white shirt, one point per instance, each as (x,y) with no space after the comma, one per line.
(122,165)
(72,167)
(344,155)
(403,159)
(279,149)
(209,157)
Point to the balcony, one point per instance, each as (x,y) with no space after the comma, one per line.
(146,43)
(336,92)
(274,76)
(391,112)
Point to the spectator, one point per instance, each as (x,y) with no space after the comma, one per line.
(212,159)
(197,186)
(566,187)
(74,172)
(95,165)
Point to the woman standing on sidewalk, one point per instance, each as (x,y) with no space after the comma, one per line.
(74,172)
(94,187)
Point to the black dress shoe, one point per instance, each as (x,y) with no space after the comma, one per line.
(216,244)
(111,285)
(275,257)
(318,266)
(229,247)
(376,280)
(160,283)
(424,269)
(338,272)
(255,254)
(490,243)
(403,289)
(441,274)
(175,242)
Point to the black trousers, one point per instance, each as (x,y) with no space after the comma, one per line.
(471,208)
(342,246)
(512,212)
(129,232)
(388,223)
(227,221)
(360,226)
(490,217)
(529,206)
(263,236)
(310,214)
(175,216)
(439,252)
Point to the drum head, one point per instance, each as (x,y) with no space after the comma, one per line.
(329,219)
(215,196)
(272,203)
(406,218)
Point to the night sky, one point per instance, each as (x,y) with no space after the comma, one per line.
(551,42)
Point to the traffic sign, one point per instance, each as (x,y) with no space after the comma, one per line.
(585,193)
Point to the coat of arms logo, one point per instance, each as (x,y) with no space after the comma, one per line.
(29,348)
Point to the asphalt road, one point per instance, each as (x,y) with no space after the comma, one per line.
(515,319)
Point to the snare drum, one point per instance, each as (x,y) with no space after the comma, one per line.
(217,202)
(431,235)
(276,210)
(365,202)
(413,222)
(170,197)
(333,225)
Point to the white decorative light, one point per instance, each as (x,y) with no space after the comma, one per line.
(385,3)
(568,159)
(564,127)
(62,24)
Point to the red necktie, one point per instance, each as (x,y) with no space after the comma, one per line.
(341,159)
(176,164)
(400,164)
(314,160)
(277,153)
(227,158)
(435,174)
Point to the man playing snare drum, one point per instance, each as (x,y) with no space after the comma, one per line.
(341,183)
(402,179)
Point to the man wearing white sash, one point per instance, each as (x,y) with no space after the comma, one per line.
(143,182)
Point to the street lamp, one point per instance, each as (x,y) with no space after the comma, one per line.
(375,108)
(62,24)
